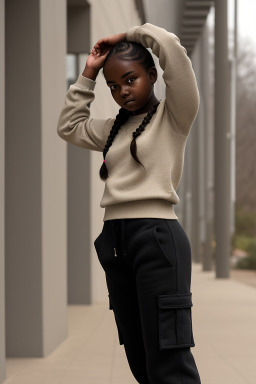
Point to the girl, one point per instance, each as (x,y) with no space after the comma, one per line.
(142,248)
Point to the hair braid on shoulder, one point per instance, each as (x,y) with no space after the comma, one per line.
(120,119)
(139,130)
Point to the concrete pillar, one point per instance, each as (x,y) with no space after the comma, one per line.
(233,86)
(182,194)
(36,299)
(179,209)
(222,142)
(195,222)
(188,187)
(78,174)
(195,218)
(2,194)
(79,231)
(206,158)
(201,151)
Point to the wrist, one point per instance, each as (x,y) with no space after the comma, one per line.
(90,73)
(123,36)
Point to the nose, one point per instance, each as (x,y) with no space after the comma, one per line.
(124,92)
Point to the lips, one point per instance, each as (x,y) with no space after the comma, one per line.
(127,102)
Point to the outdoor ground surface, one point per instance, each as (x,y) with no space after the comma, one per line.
(224,318)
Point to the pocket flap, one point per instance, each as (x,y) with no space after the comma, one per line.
(177,300)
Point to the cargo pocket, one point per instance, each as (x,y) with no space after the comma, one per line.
(175,321)
(118,328)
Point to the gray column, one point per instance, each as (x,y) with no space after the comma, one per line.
(206,160)
(2,194)
(195,222)
(195,208)
(222,142)
(201,165)
(79,228)
(79,174)
(36,298)
(180,208)
(182,195)
(188,187)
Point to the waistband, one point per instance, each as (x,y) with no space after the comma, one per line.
(148,208)
(119,228)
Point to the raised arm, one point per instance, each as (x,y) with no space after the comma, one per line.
(182,96)
(75,124)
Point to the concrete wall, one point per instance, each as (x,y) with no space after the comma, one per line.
(78,174)
(2,194)
(36,302)
(53,176)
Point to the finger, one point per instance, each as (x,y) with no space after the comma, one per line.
(98,43)
(101,42)
(105,53)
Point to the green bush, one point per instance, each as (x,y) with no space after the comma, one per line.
(245,237)
(245,222)
(248,262)
(245,243)
(248,244)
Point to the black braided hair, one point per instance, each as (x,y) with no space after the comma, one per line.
(121,118)
(129,51)
(139,130)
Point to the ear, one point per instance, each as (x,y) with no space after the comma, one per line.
(153,75)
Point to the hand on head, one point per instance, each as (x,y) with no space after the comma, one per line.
(106,43)
(101,49)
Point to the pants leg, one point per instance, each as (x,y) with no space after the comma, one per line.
(123,301)
(149,288)
(163,278)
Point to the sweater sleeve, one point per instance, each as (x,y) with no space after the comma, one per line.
(182,95)
(75,124)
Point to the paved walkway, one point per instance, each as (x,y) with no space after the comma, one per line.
(224,319)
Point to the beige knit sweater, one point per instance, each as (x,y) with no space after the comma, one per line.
(130,192)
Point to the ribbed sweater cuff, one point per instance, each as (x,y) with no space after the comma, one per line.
(131,34)
(85,83)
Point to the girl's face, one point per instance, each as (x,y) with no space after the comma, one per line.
(130,84)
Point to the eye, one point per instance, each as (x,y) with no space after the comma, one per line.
(131,80)
(113,87)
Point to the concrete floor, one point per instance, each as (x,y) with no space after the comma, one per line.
(224,318)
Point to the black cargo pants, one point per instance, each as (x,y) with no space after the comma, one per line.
(147,264)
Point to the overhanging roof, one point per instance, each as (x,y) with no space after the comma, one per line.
(193,18)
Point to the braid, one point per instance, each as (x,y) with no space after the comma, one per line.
(121,118)
(139,130)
